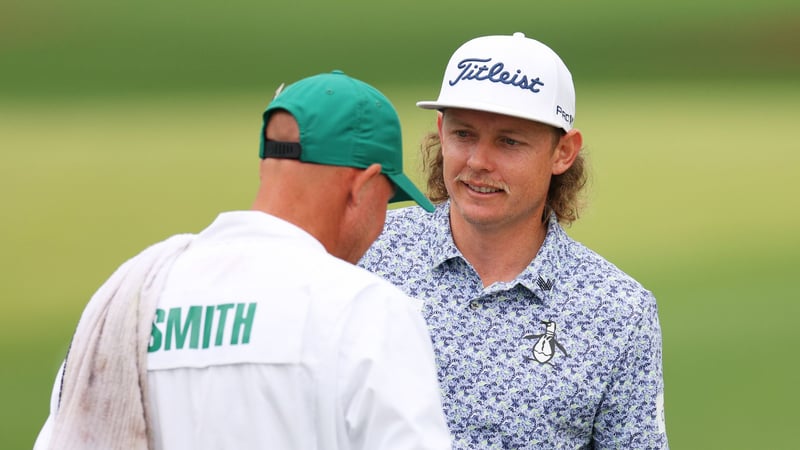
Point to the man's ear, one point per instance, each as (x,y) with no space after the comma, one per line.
(363,181)
(567,149)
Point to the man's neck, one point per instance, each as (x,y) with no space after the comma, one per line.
(499,253)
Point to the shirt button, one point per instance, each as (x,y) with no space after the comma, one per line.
(473,305)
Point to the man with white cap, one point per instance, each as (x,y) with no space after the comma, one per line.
(540,342)
(260,332)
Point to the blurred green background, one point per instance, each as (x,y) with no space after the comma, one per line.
(122,123)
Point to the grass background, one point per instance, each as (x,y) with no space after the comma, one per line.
(124,123)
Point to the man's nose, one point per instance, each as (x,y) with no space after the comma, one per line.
(481,156)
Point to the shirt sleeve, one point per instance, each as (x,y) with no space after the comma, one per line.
(632,412)
(389,392)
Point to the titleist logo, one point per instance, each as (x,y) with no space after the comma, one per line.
(479,70)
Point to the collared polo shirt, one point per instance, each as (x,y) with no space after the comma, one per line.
(261,339)
(567,355)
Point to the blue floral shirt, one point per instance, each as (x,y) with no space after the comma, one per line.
(567,355)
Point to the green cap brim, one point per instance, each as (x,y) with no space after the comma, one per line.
(406,191)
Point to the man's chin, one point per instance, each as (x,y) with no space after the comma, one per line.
(477,214)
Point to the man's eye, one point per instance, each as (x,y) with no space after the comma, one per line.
(509,141)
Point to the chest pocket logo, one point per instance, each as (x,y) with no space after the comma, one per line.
(545,347)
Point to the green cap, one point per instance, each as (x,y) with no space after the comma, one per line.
(343,122)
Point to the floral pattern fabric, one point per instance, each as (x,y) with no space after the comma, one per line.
(567,355)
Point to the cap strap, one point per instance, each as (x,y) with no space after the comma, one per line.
(277,149)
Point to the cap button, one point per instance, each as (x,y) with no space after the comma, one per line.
(519,34)
(338,72)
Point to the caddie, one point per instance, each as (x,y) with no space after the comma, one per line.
(259,332)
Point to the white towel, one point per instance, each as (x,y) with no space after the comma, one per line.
(103,403)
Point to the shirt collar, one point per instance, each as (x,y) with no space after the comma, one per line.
(442,245)
(540,275)
(256,225)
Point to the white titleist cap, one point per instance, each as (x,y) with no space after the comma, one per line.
(511,75)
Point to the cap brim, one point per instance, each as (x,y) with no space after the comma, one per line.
(406,191)
(488,107)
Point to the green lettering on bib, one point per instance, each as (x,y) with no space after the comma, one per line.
(170,330)
(155,333)
(242,320)
(190,327)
